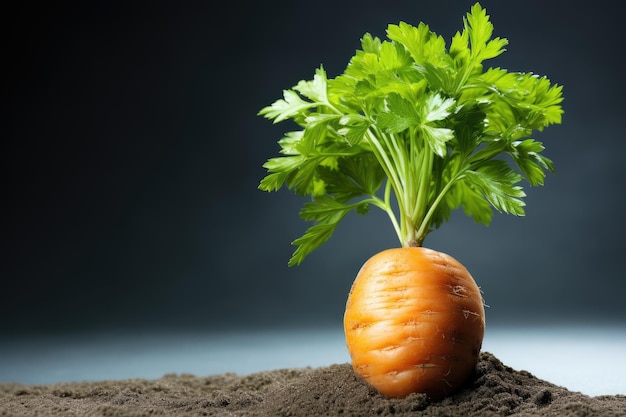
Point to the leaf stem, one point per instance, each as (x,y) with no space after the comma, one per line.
(424,172)
(394,160)
(423,229)
(385,205)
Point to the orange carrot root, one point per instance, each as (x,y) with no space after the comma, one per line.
(414,322)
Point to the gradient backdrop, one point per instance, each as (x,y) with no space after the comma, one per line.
(133,152)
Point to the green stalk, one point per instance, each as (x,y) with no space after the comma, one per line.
(409,173)
(427,117)
(385,205)
(425,224)
(425,173)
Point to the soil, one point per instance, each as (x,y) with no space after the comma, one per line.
(493,390)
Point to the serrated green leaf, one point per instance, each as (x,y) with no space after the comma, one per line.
(327,213)
(274,181)
(437,138)
(315,89)
(315,133)
(479,28)
(313,238)
(370,44)
(493,48)
(472,202)
(284,163)
(289,143)
(324,209)
(527,155)
(437,108)
(400,114)
(290,105)
(459,49)
(497,182)
(393,56)
(422,44)
(353,128)
(355,176)
(429,124)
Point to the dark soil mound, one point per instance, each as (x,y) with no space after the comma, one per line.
(494,390)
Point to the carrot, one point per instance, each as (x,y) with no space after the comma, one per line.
(417,130)
(414,322)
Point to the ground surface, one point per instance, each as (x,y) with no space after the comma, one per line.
(494,390)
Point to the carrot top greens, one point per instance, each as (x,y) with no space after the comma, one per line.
(415,129)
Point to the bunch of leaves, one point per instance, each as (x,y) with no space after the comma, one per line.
(416,129)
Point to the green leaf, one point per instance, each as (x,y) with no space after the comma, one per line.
(273,181)
(437,108)
(289,143)
(353,128)
(472,201)
(422,44)
(415,130)
(290,105)
(459,49)
(324,209)
(478,26)
(354,177)
(393,56)
(497,183)
(327,213)
(313,238)
(480,29)
(370,44)
(527,156)
(400,114)
(315,89)
(284,163)
(437,138)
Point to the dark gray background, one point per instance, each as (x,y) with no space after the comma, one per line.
(133,152)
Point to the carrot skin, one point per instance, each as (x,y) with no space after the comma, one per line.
(414,322)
